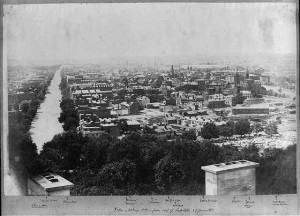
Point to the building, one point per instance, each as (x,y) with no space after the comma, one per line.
(212,104)
(230,79)
(216,97)
(164,132)
(153,106)
(166,109)
(49,184)
(170,120)
(133,108)
(232,178)
(231,91)
(143,101)
(201,84)
(264,79)
(111,128)
(171,102)
(254,101)
(100,112)
(246,94)
(133,125)
(218,87)
(163,89)
(250,110)
(92,132)
(228,100)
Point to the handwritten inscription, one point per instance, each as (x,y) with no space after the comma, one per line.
(153,201)
(37,205)
(207,200)
(235,200)
(174,205)
(169,205)
(163,210)
(47,200)
(249,203)
(172,200)
(130,201)
(279,202)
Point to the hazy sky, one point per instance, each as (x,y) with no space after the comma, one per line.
(95,31)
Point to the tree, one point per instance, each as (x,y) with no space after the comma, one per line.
(242,127)
(119,174)
(26,123)
(25,107)
(32,112)
(257,127)
(167,174)
(123,126)
(125,81)
(69,115)
(28,155)
(190,135)
(51,160)
(250,153)
(34,103)
(271,128)
(94,153)
(226,131)
(209,131)
(41,96)
(239,98)
(148,130)
(69,145)
(16,106)
(70,124)
(121,94)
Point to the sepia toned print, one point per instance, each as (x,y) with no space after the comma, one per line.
(151,99)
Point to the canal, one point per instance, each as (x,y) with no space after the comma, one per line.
(46,125)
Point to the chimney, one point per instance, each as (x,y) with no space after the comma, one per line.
(231,178)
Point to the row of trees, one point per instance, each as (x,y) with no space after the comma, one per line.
(240,127)
(22,151)
(270,92)
(141,164)
(68,116)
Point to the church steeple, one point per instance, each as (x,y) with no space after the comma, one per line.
(172,70)
(247,74)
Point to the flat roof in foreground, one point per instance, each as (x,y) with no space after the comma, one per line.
(229,166)
(52,182)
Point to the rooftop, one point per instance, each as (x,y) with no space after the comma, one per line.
(52,182)
(229,166)
(132,122)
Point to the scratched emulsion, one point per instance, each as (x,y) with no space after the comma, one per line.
(266,29)
(12,185)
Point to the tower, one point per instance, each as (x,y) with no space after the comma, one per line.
(172,70)
(247,74)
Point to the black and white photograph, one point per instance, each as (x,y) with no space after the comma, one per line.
(150,99)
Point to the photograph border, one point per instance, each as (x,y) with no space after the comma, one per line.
(82,205)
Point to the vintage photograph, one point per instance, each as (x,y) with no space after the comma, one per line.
(166,98)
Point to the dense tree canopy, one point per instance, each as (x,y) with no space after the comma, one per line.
(271,128)
(68,116)
(209,131)
(142,164)
(242,127)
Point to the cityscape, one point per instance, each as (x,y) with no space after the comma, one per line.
(171,124)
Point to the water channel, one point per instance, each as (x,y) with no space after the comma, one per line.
(46,125)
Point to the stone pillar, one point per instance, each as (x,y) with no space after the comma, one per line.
(231,178)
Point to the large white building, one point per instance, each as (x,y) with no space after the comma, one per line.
(246,94)
(215,97)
